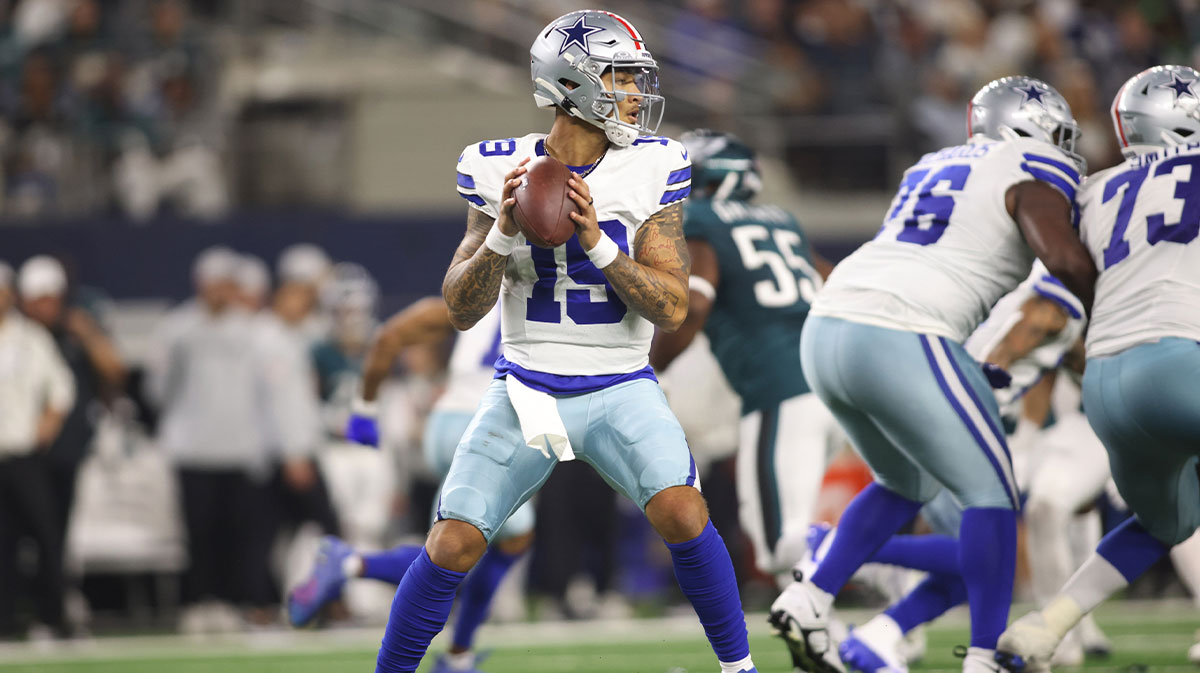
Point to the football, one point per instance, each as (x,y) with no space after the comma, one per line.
(543,208)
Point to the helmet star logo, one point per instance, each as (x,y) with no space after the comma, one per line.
(577,35)
(1031,93)
(1181,87)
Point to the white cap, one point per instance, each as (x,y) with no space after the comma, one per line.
(302,263)
(6,274)
(215,264)
(253,277)
(41,276)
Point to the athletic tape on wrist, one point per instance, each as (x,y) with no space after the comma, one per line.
(499,242)
(604,252)
(361,407)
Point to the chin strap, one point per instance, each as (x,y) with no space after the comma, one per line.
(618,134)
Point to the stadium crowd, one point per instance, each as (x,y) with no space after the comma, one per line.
(113,106)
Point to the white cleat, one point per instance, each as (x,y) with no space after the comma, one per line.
(804,627)
(1027,645)
(1194,651)
(981,661)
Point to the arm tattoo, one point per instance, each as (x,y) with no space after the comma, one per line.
(472,282)
(656,284)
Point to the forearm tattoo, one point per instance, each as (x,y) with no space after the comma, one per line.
(655,285)
(473,280)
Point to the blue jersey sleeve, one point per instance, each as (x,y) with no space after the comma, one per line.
(1058,173)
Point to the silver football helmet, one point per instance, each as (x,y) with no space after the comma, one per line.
(568,59)
(1159,107)
(1024,107)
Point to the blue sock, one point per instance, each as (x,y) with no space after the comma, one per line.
(705,574)
(477,593)
(928,600)
(931,553)
(988,554)
(390,565)
(1131,549)
(872,517)
(419,612)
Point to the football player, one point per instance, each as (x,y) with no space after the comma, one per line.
(471,368)
(574,380)
(882,347)
(753,276)
(1025,337)
(1141,219)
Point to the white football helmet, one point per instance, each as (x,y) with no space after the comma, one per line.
(568,58)
(1022,106)
(1156,108)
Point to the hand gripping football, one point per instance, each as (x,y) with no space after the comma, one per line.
(543,208)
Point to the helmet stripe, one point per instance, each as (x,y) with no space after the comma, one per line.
(1116,115)
(637,39)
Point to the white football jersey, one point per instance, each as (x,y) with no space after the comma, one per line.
(559,314)
(1046,357)
(948,249)
(472,364)
(1140,222)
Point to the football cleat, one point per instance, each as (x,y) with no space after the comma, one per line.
(1194,650)
(323,585)
(1027,645)
(442,665)
(859,655)
(804,628)
(979,660)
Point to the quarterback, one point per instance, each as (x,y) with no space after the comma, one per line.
(882,347)
(573,381)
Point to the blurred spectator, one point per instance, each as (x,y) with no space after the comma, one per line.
(841,43)
(96,369)
(253,283)
(37,152)
(303,270)
(297,489)
(36,393)
(208,378)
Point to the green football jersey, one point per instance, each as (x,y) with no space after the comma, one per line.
(767,284)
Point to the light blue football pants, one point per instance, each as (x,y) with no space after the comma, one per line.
(1144,404)
(916,407)
(626,432)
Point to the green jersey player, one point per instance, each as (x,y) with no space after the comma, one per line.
(753,276)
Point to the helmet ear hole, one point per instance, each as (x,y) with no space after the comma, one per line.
(1182,132)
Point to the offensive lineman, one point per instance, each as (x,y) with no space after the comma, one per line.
(1026,336)
(1141,220)
(753,276)
(882,348)
(577,320)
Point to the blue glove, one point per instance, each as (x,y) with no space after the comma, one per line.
(362,430)
(997,376)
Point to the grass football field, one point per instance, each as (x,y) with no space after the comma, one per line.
(1150,636)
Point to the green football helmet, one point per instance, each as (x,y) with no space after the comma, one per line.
(723,167)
